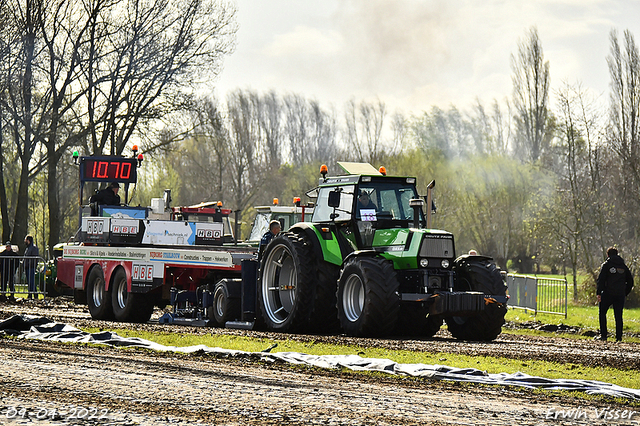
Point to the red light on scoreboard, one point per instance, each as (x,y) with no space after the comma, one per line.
(108,169)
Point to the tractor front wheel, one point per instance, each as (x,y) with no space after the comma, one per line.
(479,273)
(368,300)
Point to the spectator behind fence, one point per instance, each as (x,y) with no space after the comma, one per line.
(31,254)
(614,284)
(8,264)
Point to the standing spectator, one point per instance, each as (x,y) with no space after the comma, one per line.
(614,284)
(274,229)
(31,254)
(8,266)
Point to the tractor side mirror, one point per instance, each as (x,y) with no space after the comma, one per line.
(334,199)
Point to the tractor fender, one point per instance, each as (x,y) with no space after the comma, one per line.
(324,244)
(309,230)
(361,253)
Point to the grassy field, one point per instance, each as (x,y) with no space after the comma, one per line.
(585,317)
(487,363)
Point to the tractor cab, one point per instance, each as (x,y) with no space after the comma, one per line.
(367,201)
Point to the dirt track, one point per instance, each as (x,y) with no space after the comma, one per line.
(139,387)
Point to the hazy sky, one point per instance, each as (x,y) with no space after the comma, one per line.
(413,54)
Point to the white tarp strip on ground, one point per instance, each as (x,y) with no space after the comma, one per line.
(39,328)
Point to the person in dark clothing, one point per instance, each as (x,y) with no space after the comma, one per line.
(614,284)
(31,254)
(364,202)
(108,196)
(8,266)
(274,229)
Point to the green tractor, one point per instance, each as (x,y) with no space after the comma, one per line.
(369,264)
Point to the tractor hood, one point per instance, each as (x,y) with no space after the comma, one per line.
(415,248)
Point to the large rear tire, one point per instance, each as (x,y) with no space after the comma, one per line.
(325,318)
(129,307)
(98,298)
(368,300)
(479,273)
(287,285)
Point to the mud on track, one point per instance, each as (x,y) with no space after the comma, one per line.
(587,352)
(142,387)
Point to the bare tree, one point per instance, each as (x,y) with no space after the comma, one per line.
(364,123)
(20,64)
(577,210)
(624,133)
(310,130)
(399,127)
(530,97)
(296,126)
(622,177)
(501,128)
(244,137)
(446,131)
(323,135)
(270,116)
(100,69)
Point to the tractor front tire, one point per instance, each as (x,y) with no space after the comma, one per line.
(368,299)
(479,273)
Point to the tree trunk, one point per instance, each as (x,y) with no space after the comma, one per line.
(20,229)
(4,205)
(52,196)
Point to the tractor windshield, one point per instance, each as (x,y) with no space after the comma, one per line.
(324,213)
(385,200)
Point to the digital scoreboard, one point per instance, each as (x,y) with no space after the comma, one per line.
(108,169)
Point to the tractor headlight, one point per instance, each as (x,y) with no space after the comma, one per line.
(424,263)
(445,263)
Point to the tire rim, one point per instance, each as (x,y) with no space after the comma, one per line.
(98,292)
(219,305)
(353,298)
(279,283)
(121,293)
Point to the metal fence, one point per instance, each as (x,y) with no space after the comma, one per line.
(541,295)
(22,275)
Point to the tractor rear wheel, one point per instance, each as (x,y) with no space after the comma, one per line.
(479,273)
(325,317)
(287,284)
(368,301)
(128,307)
